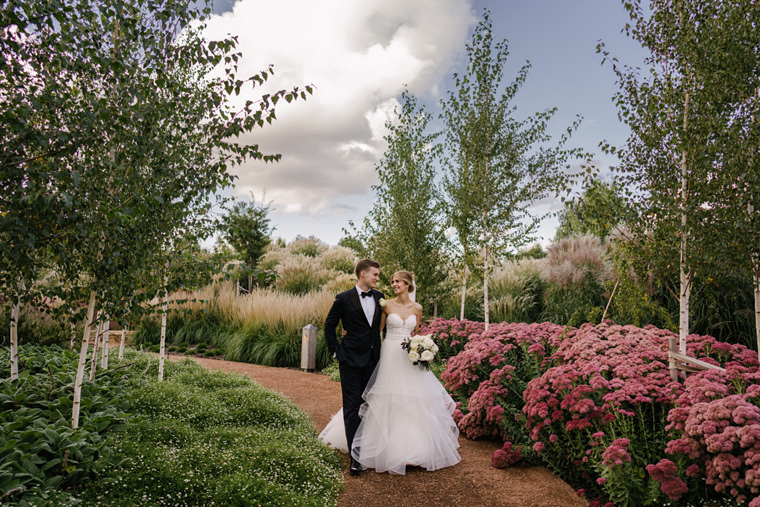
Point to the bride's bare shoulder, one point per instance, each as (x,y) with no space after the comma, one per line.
(389,303)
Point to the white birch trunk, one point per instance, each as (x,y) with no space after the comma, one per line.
(757,311)
(73,334)
(485,287)
(82,362)
(162,352)
(14,332)
(685,276)
(121,344)
(464,293)
(14,339)
(106,343)
(95,348)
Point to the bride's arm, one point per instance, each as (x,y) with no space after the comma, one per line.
(418,313)
(382,322)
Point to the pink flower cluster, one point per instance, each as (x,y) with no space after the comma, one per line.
(452,334)
(508,455)
(616,453)
(716,424)
(482,375)
(666,473)
(600,397)
(604,372)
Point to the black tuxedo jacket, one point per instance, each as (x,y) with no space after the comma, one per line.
(360,346)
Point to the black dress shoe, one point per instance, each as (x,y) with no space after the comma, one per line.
(355,468)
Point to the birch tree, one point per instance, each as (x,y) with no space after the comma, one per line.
(131,138)
(496,165)
(735,212)
(676,111)
(403,229)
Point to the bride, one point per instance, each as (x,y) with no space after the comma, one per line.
(406,416)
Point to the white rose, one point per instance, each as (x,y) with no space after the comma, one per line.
(435,349)
(428,342)
(381,302)
(414,356)
(427,356)
(415,342)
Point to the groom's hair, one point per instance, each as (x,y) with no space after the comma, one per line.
(364,265)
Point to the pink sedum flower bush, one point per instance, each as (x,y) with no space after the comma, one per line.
(596,404)
(488,376)
(716,431)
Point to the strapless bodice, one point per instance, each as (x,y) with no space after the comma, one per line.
(397,327)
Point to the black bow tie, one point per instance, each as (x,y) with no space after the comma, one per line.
(366,294)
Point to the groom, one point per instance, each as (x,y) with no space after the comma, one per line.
(358,309)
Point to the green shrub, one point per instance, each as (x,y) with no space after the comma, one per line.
(210,437)
(40,452)
(631,305)
(262,345)
(332,370)
(200,326)
(148,332)
(197,438)
(473,309)
(515,292)
(577,302)
(36,326)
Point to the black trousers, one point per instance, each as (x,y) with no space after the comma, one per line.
(353,380)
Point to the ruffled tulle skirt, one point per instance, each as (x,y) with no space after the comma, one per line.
(406,418)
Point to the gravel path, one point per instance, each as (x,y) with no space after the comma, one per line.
(472,482)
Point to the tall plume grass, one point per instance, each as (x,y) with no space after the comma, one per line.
(516,290)
(572,260)
(577,272)
(272,309)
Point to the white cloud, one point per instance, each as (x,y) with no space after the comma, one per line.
(358,55)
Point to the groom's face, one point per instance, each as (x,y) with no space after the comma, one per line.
(370,277)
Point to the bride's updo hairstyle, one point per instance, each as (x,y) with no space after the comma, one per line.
(407,277)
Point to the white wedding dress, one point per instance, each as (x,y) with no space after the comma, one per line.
(406,415)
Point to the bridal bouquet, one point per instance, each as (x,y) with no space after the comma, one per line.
(421,349)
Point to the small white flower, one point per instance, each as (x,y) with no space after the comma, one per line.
(427,356)
(414,356)
(428,342)
(381,302)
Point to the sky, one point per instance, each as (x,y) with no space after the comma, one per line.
(359,55)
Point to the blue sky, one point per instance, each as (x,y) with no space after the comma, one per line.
(359,55)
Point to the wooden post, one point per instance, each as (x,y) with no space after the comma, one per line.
(604,314)
(309,348)
(672,349)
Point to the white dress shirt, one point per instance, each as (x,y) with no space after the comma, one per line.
(368,305)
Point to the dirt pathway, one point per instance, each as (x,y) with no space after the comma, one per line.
(472,482)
